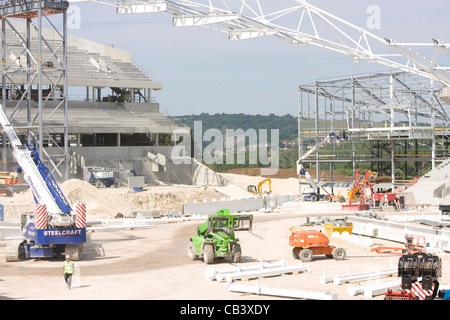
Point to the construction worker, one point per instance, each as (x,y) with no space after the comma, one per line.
(68,271)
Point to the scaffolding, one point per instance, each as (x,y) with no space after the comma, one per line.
(388,119)
(27,67)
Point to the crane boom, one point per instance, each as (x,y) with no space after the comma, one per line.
(300,169)
(328,139)
(52,229)
(44,187)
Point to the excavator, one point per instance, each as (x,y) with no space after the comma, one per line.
(258,191)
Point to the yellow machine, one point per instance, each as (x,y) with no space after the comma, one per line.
(258,191)
(360,183)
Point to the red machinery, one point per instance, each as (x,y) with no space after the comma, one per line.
(385,199)
(361,194)
(308,243)
(420,273)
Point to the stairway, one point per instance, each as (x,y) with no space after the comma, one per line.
(432,189)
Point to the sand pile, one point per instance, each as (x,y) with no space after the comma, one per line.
(108,202)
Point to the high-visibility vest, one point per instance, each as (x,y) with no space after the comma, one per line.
(68,267)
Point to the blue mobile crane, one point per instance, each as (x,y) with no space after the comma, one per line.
(60,236)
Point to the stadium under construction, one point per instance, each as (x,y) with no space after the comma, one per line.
(114,121)
(391,120)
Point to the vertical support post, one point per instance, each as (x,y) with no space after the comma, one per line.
(66,98)
(299,136)
(29,135)
(4,149)
(433,125)
(353,125)
(39,67)
(316,93)
(391,101)
(393,164)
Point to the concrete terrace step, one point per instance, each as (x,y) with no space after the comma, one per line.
(428,190)
(80,63)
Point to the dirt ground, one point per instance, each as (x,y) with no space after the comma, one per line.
(152,264)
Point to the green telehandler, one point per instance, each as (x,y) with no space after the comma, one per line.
(216,239)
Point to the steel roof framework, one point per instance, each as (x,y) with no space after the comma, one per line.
(34,64)
(301,24)
(385,112)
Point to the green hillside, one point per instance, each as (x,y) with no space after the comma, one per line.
(287,127)
(287,124)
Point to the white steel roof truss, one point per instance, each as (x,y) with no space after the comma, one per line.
(241,19)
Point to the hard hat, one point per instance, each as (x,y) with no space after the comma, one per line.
(67,257)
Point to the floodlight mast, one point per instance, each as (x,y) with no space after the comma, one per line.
(245,19)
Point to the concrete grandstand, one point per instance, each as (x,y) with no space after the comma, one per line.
(113,121)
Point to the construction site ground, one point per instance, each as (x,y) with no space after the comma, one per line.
(152,263)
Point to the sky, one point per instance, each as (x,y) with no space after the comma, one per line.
(202,71)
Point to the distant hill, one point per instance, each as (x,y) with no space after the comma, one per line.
(287,124)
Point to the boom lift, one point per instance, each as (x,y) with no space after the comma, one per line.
(104,177)
(308,243)
(413,244)
(53,229)
(314,194)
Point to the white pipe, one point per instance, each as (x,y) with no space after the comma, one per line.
(343,279)
(281,292)
(374,289)
(125,226)
(324,279)
(261,273)
(211,273)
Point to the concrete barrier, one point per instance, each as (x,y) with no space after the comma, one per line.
(10,230)
(234,205)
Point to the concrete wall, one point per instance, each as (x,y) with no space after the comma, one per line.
(234,205)
(155,163)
